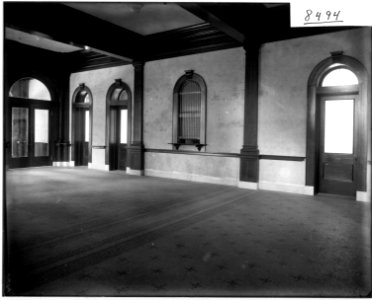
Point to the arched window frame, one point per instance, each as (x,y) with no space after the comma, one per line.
(118,84)
(30,98)
(189,76)
(335,68)
(337,60)
(89,106)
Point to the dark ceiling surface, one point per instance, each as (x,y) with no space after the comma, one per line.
(125,32)
(141,17)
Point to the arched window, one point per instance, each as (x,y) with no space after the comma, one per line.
(30,88)
(119,94)
(189,111)
(339,77)
(83,97)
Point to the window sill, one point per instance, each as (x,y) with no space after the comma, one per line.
(198,146)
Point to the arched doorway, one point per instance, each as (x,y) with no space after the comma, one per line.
(82,126)
(117,120)
(30,107)
(336,160)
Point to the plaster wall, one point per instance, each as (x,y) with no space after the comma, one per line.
(212,169)
(285,67)
(99,81)
(223,72)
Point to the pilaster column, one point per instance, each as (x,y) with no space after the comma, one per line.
(62,111)
(136,147)
(249,166)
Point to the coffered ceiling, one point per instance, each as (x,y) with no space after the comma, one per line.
(141,17)
(102,33)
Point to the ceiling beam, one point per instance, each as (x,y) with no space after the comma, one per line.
(188,40)
(209,17)
(67,25)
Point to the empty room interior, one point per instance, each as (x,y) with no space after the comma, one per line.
(185,149)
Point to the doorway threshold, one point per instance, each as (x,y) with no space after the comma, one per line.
(328,195)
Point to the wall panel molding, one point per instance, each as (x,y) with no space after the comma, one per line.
(282,157)
(185,152)
(248,154)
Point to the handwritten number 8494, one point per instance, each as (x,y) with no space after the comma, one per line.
(319,16)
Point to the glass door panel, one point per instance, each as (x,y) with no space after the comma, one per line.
(20,132)
(123,125)
(87,127)
(41,123)
(339,126)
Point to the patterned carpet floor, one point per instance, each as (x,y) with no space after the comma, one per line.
(80,232)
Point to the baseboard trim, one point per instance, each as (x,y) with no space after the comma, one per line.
(191,177)
(248,185)
(63,164)
(134,172)
(362,196)
(98,167)
(286,188)
(309,190)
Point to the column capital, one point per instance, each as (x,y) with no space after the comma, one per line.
(252,45)
(138,64)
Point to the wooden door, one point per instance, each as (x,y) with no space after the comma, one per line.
(118,138)
(81,136)
(30,134)
(337,145)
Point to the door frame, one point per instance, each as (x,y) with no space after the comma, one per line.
(74,112)
(110,103)
(337,60)
(31,104)
(322,101)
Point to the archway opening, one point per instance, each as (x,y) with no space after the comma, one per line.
(117,125)
(82,126)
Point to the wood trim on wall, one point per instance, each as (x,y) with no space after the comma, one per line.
(221,154)
(282,157)
(187,152)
